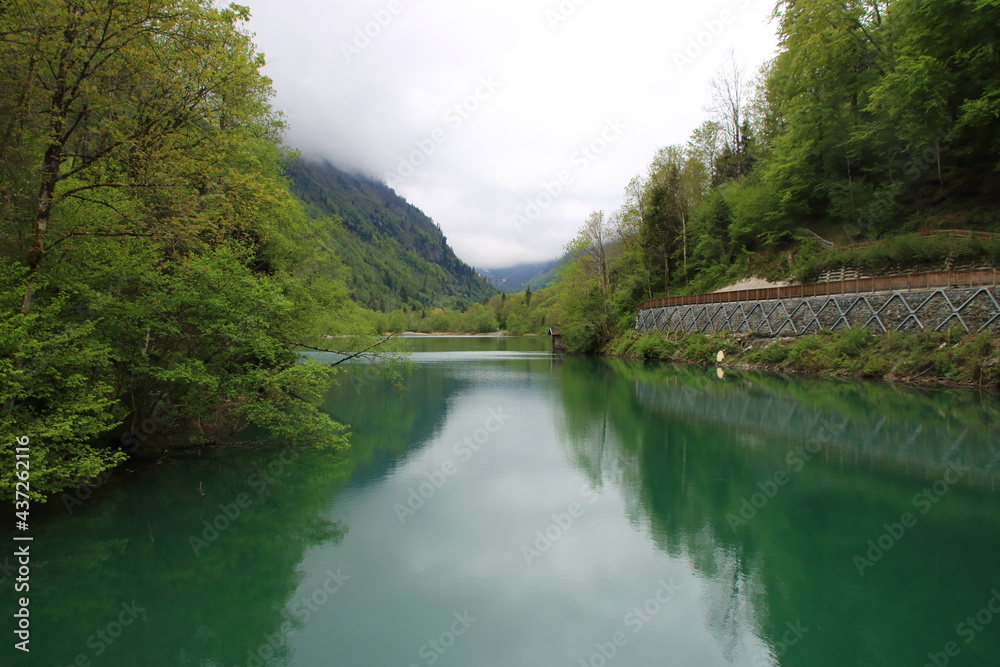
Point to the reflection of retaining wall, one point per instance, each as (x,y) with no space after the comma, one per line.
(913,443)
(975,309)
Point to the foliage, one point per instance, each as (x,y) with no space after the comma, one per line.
(943,357)
(653,346)
(876,119)
(394,256)
(53,389)
(514,314)
(151,253)
(901,252)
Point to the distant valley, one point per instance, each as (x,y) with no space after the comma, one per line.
(519,278)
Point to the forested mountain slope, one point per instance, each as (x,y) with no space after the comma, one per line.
(395,255)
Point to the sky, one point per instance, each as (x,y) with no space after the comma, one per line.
(506,121)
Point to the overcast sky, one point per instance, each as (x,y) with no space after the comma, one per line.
(506,121)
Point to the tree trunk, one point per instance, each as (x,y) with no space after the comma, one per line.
(666,270)
(59,106)
(684,236)
(43,212)
(850,186)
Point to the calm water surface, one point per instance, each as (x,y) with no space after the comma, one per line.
(515,508)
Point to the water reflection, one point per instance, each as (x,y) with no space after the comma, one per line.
(665,515)
(155,573)
(773,488)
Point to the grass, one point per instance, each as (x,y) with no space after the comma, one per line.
(950,357)
(910,252)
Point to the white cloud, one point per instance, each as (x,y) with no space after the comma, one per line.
(375,108)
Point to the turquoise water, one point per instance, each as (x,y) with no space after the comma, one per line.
(511,507)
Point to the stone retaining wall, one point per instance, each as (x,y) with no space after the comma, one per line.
(974,309)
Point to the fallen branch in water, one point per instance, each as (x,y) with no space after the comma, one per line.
(347,356)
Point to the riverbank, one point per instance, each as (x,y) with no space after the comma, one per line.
(450,334)
(947,358)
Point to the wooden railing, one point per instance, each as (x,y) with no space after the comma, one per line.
(911,281)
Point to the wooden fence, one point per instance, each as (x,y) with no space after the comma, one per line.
(908,282)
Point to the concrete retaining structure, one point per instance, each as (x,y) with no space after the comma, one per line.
(974,309)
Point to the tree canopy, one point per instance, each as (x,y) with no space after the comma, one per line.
(155,272)
(876,118)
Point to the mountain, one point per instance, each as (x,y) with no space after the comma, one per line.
(518,278)
(394,254)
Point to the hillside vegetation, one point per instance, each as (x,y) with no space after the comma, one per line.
(875,120)
(156,274)
(394,256)
(523,313)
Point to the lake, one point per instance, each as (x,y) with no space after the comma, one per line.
(513,507)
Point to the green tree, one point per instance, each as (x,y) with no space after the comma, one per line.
(662,211)
(913,100)
(630,275)
(832,56)
(677,181)
(147,229)
(54,389)
(479,319)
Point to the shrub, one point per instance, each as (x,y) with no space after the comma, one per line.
(775,353)
(807,353)
(654,346)
(699,348)
(851,343)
